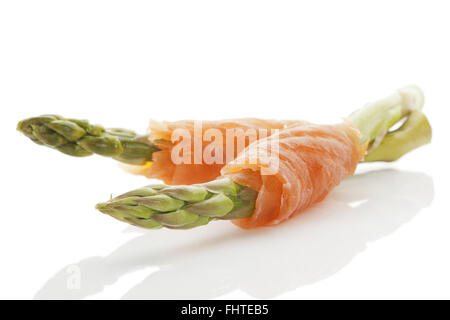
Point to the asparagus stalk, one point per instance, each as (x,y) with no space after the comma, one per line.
(80,139)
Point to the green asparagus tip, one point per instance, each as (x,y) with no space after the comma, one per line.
(80,139)
(181,207)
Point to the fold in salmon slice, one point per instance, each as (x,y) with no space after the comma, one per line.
(161,133)
(310,160)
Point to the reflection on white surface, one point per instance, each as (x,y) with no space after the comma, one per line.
(211,261)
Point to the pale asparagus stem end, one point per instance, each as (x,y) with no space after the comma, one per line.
(376,119)
(415,132)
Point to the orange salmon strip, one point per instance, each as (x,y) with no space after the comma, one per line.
(310,161)
(162,167)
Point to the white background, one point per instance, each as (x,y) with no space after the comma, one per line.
(384,233)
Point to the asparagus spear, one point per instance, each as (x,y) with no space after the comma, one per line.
(182,207)
(79,138)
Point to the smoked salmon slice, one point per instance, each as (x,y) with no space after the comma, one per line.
(310,161)
(243,132)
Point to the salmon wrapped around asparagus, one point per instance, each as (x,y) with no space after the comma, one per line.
(250,190)
(151,155)
(266,185)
